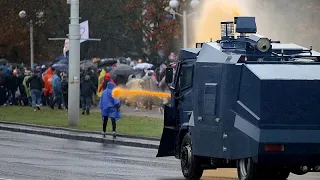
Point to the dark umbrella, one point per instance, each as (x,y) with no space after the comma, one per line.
(88,64)
(3,62)
(61,65)
(121,70)
(107,62)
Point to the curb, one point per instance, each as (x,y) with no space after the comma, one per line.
(77,137)
(79,131)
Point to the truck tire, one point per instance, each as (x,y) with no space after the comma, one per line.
(190,164)
(248,170)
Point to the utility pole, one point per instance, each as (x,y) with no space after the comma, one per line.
(174,4)
(74,63)
(31,44)
(185,29)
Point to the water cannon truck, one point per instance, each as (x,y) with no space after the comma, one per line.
(246,102)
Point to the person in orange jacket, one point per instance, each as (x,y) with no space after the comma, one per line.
(48,91)
(103,85)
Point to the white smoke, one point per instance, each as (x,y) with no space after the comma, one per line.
(289,21)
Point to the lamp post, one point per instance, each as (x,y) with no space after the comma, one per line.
(74,64)
(22,15)
(175,4)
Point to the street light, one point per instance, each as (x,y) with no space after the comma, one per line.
(22,15)
(175,4)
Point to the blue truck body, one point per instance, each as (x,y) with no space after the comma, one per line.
(240,100)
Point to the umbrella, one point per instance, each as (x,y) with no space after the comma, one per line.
(88,64)
(107,62)
(3,62)
(123,70)
(61,67)
(143,66)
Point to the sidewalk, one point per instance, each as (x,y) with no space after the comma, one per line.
(65,133)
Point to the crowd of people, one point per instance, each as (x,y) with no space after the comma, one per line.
(47,86)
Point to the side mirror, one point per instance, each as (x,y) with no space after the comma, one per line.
(169,75)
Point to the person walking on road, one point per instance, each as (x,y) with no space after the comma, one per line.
(36,85)
(110,108)
(87,89)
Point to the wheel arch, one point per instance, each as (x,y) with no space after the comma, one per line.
(184,129)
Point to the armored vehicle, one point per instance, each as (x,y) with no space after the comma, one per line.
(246,102)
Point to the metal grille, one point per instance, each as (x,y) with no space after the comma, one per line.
(227,29)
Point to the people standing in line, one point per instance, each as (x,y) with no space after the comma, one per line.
(106,80)
(149,84)
(100,81)
(57,91)
(110,108)
(87,89)
(3,90)
(134,84)
(94,79)
(24,83)
(48,91)
(12,87)
(65,86)
(22,98)
(35,83)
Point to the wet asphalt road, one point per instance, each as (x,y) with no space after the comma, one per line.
(34,157)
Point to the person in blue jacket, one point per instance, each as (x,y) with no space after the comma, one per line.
(57,90)
(110,108)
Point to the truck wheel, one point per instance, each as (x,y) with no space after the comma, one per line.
(248,170)
(190,164)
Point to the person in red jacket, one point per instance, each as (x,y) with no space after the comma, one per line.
(103,85)
(48,91)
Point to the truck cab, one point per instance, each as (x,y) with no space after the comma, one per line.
(178,113)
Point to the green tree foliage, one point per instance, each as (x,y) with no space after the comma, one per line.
(150,18)
(14,32)
(120,27)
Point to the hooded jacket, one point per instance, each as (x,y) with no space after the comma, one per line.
(109,105)
(103,85)
(35,82)
(47,79)
(24,83)
(134,83)
(87,88)
(100,80)
(149,83)
(56,84)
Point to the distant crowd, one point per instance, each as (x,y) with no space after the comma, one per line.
(47,86)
